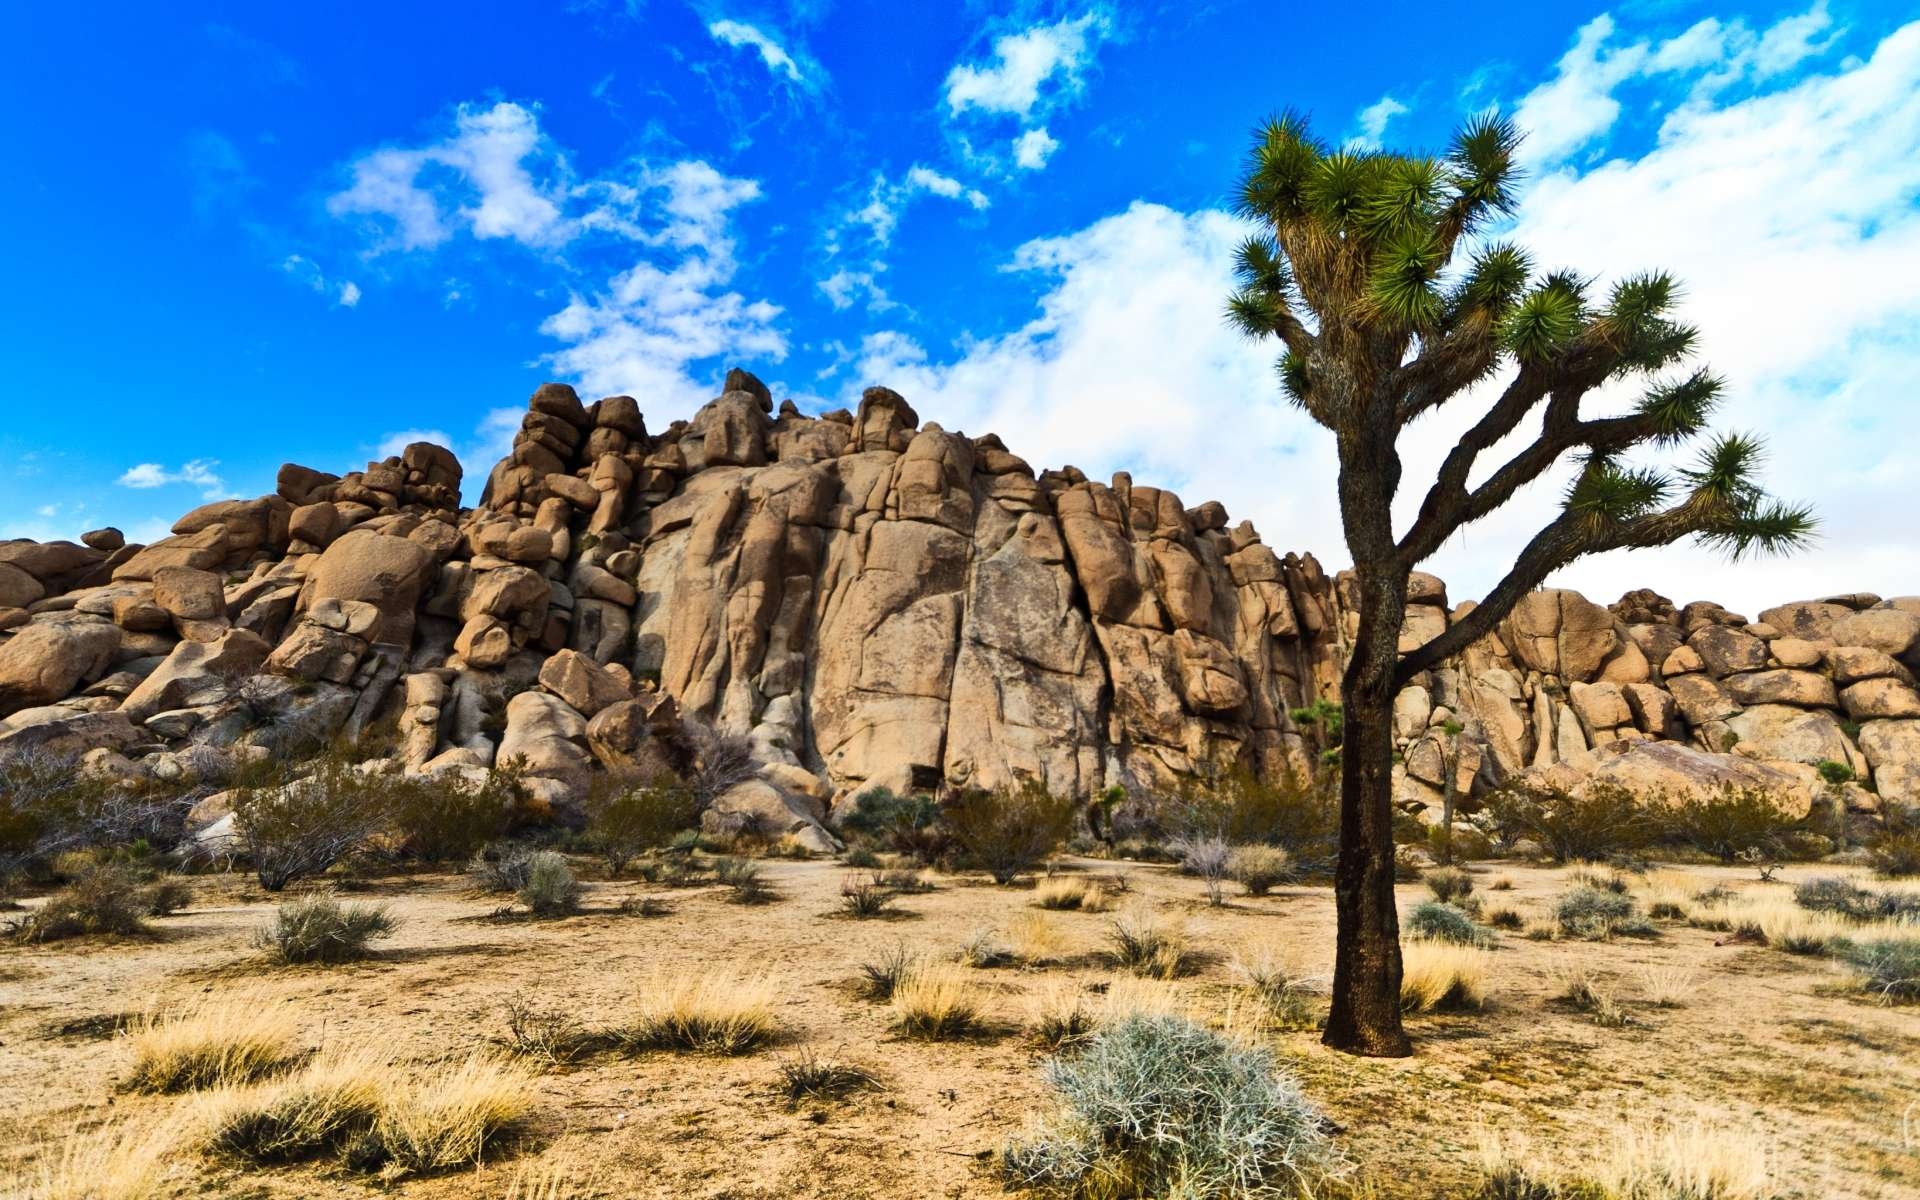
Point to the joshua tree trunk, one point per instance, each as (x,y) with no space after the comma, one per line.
(1366,973)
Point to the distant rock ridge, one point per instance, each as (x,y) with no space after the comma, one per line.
(877,601)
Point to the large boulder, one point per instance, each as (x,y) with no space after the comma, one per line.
(197,674)
(1881,699)
(386,572)
(1892,631)
(583,683)
(1728,651)
(66,733)
(1802,688)
(548,738)
(47,659)
(1558,632)
(1787,734)
(1677,774)
(1893,747)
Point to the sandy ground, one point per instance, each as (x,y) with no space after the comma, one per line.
(1769,1039)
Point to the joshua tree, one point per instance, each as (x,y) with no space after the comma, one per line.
(1375,274)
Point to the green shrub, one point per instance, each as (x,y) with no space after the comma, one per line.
(1159,1106)
(1444,923)
(1895,848)
(1301,816)
(1009,830)
(101,900)
(744,877)
(625,817)
(444,817)
(550,889)
(1596,914)
(865,897)
(1448,884)
(48,806)
(904,824)
(1606,820)
(1831,893)
(1888,967)
(320,929)
(165,897)
(1731,823)
(500,869)
(301,828)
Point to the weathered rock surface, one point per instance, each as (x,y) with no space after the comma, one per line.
(872,600)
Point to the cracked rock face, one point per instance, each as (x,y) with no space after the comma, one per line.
(874,600)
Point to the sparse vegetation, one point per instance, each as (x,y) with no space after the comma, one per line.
(1259,869)
(1448,884)
(1205,858)
(320,929)
(908,825)
(1834,894)
(1733,822)
(880,977)
(862,896)
(935,1002)
(221,1041)
(1443,976)
(103,900)
(1600,820)
(550,889)
(1061,1015)
(1071,892)
(1597,914)
(1886,967)
(500,869)
(1582,989)
(627,816)
(1694,1160)
(1445,923)
(712,1012)
(744,878)
(299,829)
(1011,830)
(1144,945)
(813,1076)
(1290,1000)
(1159,1106)
(1669,986)
(446,818)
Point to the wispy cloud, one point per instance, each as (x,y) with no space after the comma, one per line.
(858,240)
(1370,123)
(1030,69)
(1032,149)
(345,292)
(195,472)
(795,67)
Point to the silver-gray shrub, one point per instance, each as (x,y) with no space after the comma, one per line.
(1160,1106)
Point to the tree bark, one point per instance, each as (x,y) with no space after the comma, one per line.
(1366,973)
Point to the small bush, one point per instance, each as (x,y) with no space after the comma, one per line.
(672,870)
(1445,923)
(1597,915)
(904,824)
(709,1013)
(1506,918)
(550,889)
(811,1076)
(1159,1106)
(301,828)
(934,1002)
(1009,830)
(165,897)
(907,883)
(1146,947)
(864,897)
(880,977)
(500,869)
(551,1036)
(985,950)
(1584,992)
(1604,819)
(1448,884)
(1895,849)
(1206,858)
(1299,815)
(1291,1000)
(1669,987)
(1731,823)
(320,929)
(1887,967)
(720,760)
(1834,894)
(1070,892)
(103,900)
(1442,976)
(1061,1016)
(1259,869)
(444,818)
(625,817)
(862,857)
(1600,880)
(744,878)
(445,1120)
(211,1043)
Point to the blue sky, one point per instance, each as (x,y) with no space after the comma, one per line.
(242,234)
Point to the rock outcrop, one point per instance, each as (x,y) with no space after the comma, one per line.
(875,600)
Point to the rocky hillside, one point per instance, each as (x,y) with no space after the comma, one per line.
(873,600)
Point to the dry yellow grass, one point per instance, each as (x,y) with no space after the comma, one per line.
(1782,924)
(1071,892)
(935,1001)
(715,1012)
(214,1042)
(1670,895)
(1061,1012)
(309,1113)
(1443,975)
(553,1177)
(132,1160)
(1698,1159)
(1034,938)
(448,1117)
(1669,986)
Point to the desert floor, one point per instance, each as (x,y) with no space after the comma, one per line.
(1768,1040)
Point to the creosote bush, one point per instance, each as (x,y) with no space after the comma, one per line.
(1299,815)
(102,900)
(1887,968)
(297,829)
(627,816)
(550,889)
(1603,819)
(1259,869)
(320,929)
(1832,893)
(907,825)
(1010,830)
(1160,1106)
(444,817)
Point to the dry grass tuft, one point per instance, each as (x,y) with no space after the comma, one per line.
(1035,939)
(1580,987)
(550,1178)
(1443,976)
(446,1119)
(1145,945)
(935,1001)
(1784,925)
(214,1042)
(335,1098)
(135,1160)
(1061,1014)
(1692,1160)
(1672,895)
(1671,986)
(710,1013)
(1290,999)
(1072,893)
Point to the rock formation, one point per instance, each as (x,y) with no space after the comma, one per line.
(875,601)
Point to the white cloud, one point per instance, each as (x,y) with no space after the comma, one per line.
(775,56)
(391,445)
(1032,149)
(846,286)
(306,272)
(1024,66)
(1372,120)
(496,175)
(48,510)
(349,294)
(1577,107)
(865,232)
(663,233)
(196,472)
(925,179)
(1791,214)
